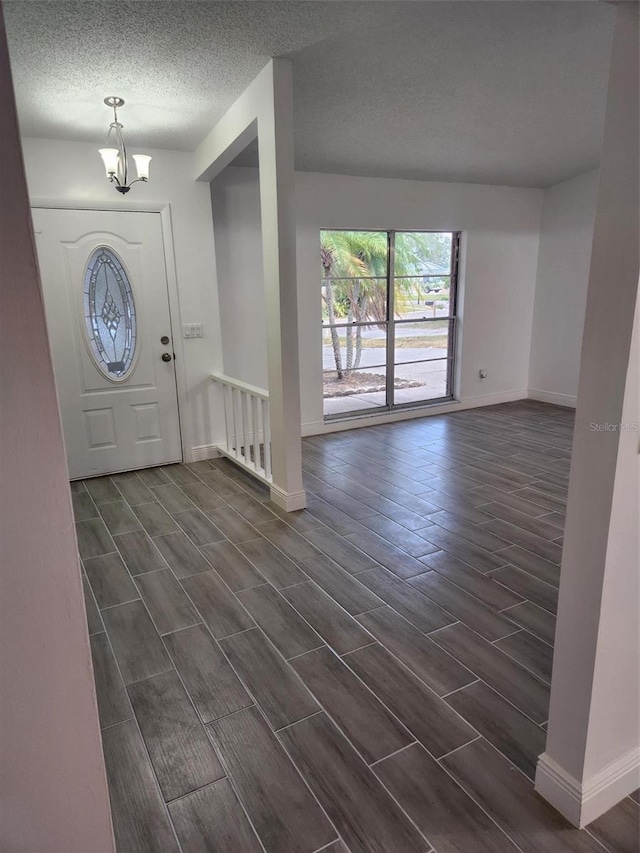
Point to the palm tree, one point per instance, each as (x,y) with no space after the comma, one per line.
(332,256)
(351,260)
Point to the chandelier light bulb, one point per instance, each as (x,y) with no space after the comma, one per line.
(142,166)
(110,159)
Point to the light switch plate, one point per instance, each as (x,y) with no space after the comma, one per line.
(192,330)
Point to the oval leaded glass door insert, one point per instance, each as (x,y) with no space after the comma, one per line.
(109,314)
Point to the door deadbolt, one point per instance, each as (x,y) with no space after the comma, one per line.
(164,340)
(166,356)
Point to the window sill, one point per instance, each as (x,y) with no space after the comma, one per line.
(386,410)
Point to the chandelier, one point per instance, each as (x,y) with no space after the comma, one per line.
(115,158)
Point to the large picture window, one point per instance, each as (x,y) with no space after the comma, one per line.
(388,319)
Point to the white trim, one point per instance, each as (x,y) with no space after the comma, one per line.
(241,386)
(583,802)
(204,451)
(182,387)
(365,420)
(288,501)
(568,400)
(164,209)
(84,204)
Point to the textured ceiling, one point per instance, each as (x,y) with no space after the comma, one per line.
(491,92)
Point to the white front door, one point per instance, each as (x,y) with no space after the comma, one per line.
(104,281)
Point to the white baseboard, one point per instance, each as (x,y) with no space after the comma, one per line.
(365,420)
(583,802)
(288,501)
(551,397)
(493,399)
(203,451)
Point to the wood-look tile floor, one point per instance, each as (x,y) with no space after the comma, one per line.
(369,674)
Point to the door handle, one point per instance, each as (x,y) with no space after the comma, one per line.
(166,356)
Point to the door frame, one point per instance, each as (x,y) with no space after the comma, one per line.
(164,209)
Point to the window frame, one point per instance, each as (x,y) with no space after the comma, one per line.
(391,322)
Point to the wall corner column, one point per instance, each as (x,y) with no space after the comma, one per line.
(276,153)
(265,110)
(592,757)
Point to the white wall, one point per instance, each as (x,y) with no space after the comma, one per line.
(498,273)
(614,728)
(69,172)
(592,757)
(561,289)
(235,198)
(54,786)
